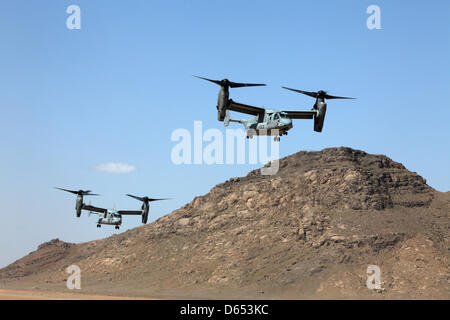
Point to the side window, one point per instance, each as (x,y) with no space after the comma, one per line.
(277,116)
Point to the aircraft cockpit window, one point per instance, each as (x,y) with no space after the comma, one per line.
(277,116)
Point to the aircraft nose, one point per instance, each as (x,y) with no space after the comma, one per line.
(286,122)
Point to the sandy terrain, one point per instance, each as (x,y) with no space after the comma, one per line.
(46,295)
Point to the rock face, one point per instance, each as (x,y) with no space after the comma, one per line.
(309,231)
(47,254)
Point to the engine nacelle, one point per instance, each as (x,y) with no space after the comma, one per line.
(79,205)
(145,208)
(319,118)
(222,103)
(221,114)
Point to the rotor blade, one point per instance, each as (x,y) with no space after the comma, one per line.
(87,193)
(135,197)
(71,191)
(213,81)
(308,93)
(327,96)
(81,192)
(151,199)
(240,85)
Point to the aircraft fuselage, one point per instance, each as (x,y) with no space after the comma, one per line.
(272,123)
(110,218)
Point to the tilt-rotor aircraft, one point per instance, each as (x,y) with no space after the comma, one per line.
(268,121)
(107,216)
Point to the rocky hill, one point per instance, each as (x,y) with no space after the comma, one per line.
(310,231)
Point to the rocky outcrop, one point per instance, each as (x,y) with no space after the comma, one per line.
(312,228)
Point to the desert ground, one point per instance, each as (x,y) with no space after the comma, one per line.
(6,294)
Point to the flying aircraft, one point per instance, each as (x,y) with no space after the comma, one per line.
(268,121)
(108,216)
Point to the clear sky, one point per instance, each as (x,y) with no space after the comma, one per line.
(116,89)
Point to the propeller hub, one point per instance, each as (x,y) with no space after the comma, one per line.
(321,94)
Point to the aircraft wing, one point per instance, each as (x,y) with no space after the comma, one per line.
(95,209)
(300,114)
(130,212)
(239,107)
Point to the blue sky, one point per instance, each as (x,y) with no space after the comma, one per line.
(115,90)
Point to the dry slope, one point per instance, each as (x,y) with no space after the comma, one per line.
(310,231)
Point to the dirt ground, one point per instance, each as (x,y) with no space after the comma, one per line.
(47,295)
